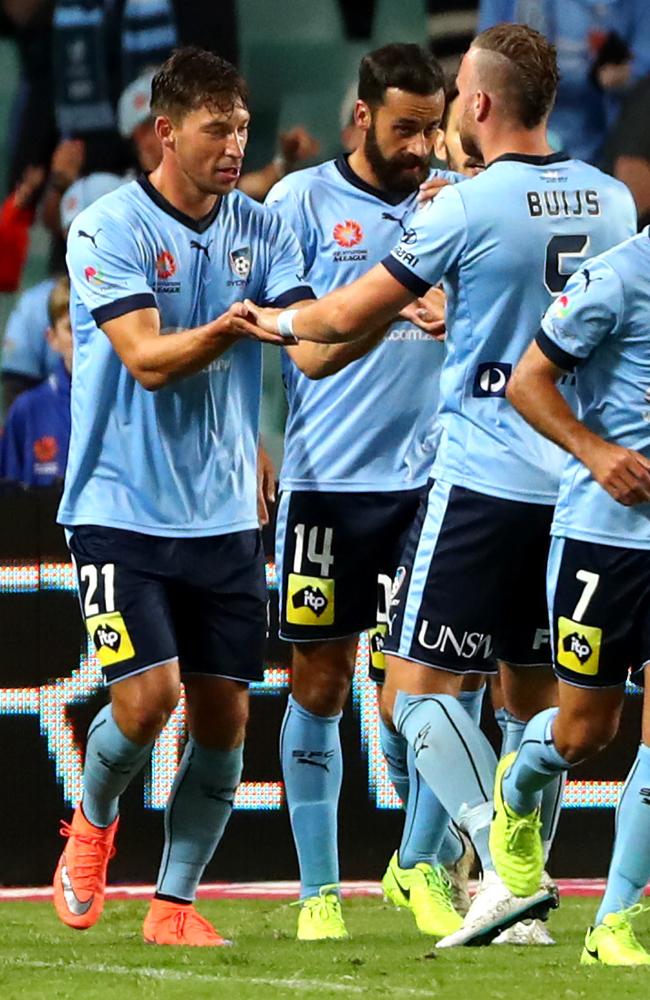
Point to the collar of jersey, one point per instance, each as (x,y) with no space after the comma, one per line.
(197,225)
(536,161)
(346,171)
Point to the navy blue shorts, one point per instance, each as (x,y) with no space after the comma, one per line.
(337,554)
(148,599)
(599,607)
(471,585)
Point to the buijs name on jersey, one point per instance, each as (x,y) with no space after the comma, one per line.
(562,203)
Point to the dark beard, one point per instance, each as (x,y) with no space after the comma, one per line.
(390,172)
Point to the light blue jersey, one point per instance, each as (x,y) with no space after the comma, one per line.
(25,350)
(370,427)
(601,326)
(180,461)
(505,243)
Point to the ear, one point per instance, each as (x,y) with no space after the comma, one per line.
(164,129)
(439,147)
(362,115)
(482,105)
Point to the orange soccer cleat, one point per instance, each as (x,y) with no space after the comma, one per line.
(179,924)
(80,877)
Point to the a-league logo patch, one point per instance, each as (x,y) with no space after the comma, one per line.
(310,600)
(110,637)
(578,647)
(241,261)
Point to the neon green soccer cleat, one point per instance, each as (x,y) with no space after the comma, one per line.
(426,892)
(320,917)
(515,841)
(613,942)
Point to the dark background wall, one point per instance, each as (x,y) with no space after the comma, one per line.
(50,687)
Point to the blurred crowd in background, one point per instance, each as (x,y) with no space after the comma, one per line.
(75,80)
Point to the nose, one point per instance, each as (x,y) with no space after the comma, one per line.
(235,145)
(419,146)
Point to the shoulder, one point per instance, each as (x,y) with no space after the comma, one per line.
(37,295)
(111,210)
(298,184)
(29,402)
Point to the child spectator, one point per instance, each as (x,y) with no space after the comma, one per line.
(34,447)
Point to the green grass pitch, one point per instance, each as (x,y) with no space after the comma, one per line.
(385,957)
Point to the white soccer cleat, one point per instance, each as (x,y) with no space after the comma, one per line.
(494,909)
(530,931)
(524,933)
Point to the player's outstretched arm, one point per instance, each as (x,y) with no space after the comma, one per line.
(532,390)
(345,314)
(154,359)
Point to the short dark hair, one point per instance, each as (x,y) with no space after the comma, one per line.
(403,65)
(531,76)
(451,93)
(191,78)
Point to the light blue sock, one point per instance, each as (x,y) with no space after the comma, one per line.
(629,871)
(537,764)
(514,733)
(312,767)
(454,758)
(501,719)
(429,835)
(198,808)
(111,762)
(472,702)
(551,800)
(426,821)
(394,748)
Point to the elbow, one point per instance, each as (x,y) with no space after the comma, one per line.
(515,391)
(319,370)
(151,381)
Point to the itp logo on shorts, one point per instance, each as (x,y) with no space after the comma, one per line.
(310,600)
(110,637)
(491,379)
(578,647)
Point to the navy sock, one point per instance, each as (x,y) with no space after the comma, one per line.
(199,806)
(112,761)
(312,767)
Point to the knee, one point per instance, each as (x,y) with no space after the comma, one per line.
(583,738)
(142,717)
(322,676)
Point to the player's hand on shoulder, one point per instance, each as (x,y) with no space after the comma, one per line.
(428,313)
(624,473)
(245,319)
(431,188)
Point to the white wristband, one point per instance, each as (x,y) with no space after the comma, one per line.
(285,322)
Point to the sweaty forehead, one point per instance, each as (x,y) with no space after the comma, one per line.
(219,112)
(403,104)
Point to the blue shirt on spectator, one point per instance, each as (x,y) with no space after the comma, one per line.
(34,446)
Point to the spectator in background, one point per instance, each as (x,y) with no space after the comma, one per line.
(16,218)
(137,124)
(602,47)
(34,446)
(27,358)
(628,148)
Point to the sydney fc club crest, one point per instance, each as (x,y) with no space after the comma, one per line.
(240,262)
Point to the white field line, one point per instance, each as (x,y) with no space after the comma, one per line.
(175,975)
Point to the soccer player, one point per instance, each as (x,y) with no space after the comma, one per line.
(160,491)
(356,462)
(598,574)
(448,146)
(472,588)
